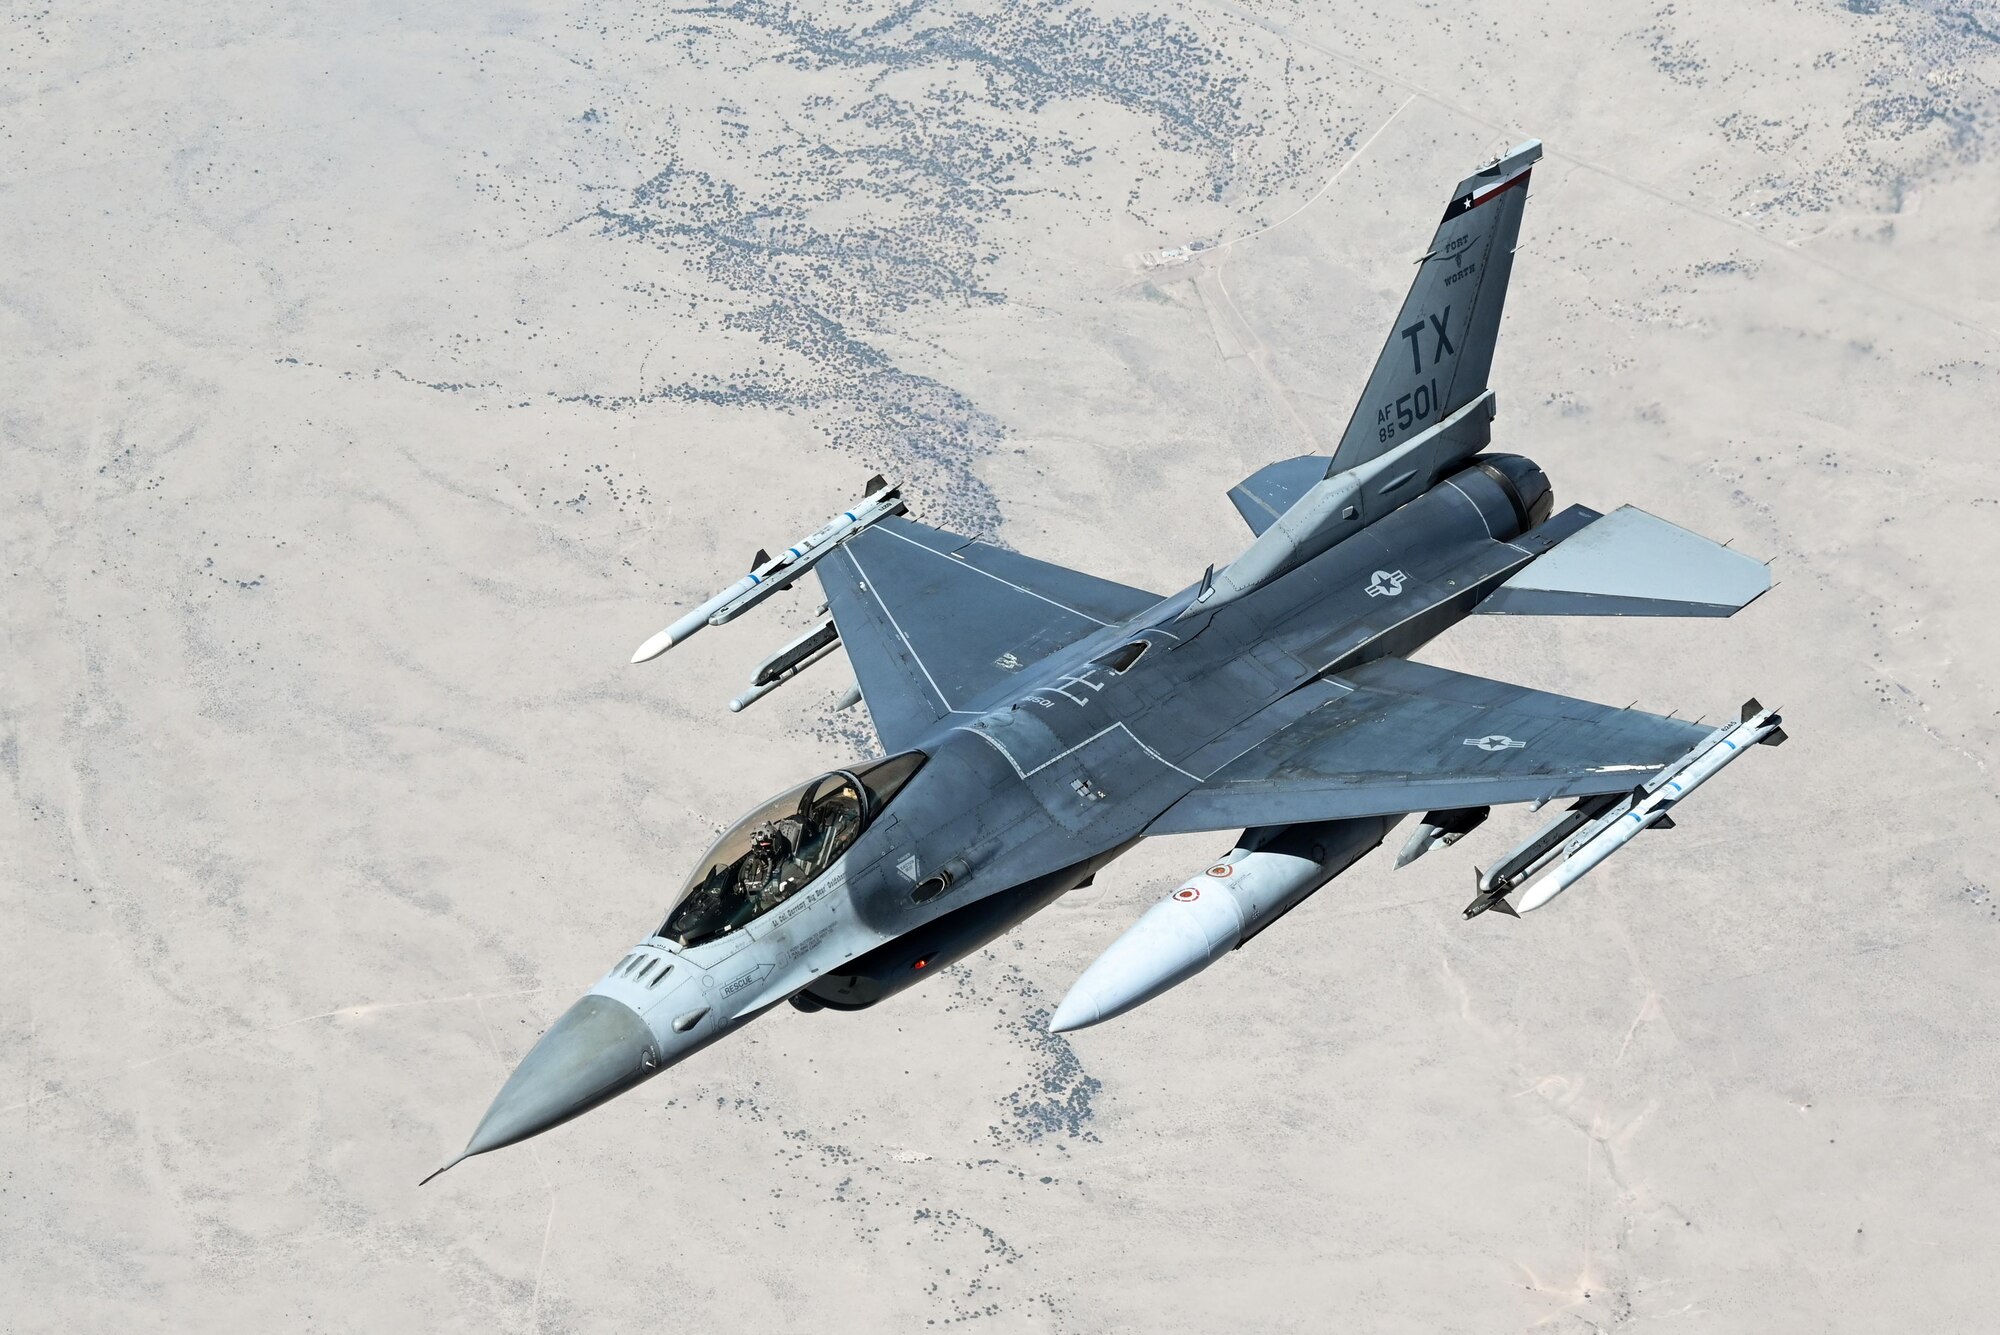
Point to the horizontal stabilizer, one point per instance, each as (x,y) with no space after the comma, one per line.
(1629,563)
(1273,489)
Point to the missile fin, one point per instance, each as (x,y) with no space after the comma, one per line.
(1483,898)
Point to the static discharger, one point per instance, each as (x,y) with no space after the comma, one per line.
(768,576)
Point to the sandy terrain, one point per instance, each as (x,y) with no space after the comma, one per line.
(373,379)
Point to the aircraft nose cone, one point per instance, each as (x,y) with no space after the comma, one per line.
(598,1049)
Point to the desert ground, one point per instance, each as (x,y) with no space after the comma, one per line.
(373,378)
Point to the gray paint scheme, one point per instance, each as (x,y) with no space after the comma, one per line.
(1276,488)
(975,604)
(1393,736)
(1630,563)
(1441,346)
(1066,717)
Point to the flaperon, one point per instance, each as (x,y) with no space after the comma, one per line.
(1038,721)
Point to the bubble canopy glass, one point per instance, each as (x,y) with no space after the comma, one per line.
(782,847)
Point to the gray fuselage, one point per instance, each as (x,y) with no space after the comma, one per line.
(1068,762)
(1032,787)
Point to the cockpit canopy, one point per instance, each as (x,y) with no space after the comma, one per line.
(782,847)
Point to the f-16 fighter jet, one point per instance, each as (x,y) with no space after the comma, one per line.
(1037,721)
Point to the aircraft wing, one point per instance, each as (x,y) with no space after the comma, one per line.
(931,620)
(1393,736)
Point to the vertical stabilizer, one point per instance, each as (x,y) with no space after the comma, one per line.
(1441,348)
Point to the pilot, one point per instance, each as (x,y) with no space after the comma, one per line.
(761,877)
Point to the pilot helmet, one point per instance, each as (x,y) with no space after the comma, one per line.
(766,841)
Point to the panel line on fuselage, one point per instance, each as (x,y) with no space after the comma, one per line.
(1475,507)
(1476,589)
(997,745)
(1504,542)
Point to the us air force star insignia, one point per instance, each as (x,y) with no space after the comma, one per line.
(1386,584)
(1494,742)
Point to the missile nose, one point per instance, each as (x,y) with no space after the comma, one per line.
(598,1049)
(654,647)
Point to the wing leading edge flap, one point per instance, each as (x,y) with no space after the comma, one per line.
(1397,736)
(1630,563)
(932,620)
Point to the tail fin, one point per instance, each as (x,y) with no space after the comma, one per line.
(1437,357)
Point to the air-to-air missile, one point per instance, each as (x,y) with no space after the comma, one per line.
(770,574)
(788,662)
(1269,873)
(1564,851)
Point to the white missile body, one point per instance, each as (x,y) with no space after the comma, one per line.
(777,573)
(1268,873)
(1597,841)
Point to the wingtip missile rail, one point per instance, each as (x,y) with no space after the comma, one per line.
(1506,875)
(1653,809)
(1562,853)
(768,575)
